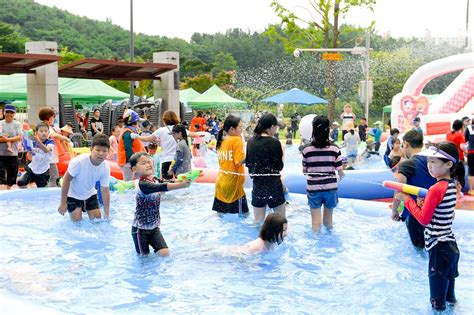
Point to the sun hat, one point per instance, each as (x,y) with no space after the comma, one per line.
(437,153)
(67,128)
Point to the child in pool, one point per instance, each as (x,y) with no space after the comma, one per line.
(38,170)
(146,223)
(155,156)
(437,215)
(272,234)
(182,158)
(396,154)
(321,160)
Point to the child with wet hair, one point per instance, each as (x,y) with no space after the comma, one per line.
(272,234)
(146,223)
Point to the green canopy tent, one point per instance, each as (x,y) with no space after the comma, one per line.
(13,87)
(185,96)
(386,109)
(188,95)
(215,98)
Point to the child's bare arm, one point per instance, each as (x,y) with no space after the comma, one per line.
(42,146)
(64,190)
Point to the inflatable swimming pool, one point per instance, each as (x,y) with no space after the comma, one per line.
(365,265)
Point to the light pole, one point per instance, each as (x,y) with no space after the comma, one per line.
(132,83)
(367,70)
(355,51)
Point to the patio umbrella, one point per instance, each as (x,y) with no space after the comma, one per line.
(295,96)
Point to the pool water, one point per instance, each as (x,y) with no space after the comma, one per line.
(365,265)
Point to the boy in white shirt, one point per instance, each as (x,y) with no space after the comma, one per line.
(38,170)
(78,193)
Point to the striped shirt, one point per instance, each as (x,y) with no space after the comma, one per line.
(320,165)
(437,213)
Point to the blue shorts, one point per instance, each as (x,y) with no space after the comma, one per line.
(318,198)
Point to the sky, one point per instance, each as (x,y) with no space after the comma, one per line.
(182,18)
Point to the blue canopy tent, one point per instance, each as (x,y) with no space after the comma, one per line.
(295,96)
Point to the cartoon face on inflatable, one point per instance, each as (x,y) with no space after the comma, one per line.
(422,104)
(407,112)
(411,107)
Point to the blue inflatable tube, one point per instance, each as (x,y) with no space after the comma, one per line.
(357,184)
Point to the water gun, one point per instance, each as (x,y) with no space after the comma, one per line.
(120,185)
(408,189)
(192,176)
(27,142)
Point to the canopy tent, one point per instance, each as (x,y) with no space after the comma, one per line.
(215,98)
(185,96)
(13,87)
(188,95)
(295,96)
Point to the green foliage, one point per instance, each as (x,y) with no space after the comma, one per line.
(11,41)
(68,56)
(200,83)
(224,61)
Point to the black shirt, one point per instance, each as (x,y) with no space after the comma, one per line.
(264,156)
(99,125)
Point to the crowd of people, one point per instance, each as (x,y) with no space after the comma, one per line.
(439,168)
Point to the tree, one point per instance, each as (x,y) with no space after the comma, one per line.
(224,61)
(68,56)
(321,30)
(11,40)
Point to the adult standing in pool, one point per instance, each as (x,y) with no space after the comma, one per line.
(10,133)
(413,171)
(167,142)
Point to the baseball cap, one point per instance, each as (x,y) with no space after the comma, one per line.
(378,122)
(416,119)
(465,118)
(9,108)
(437,153)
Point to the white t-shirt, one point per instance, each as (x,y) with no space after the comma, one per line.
(40,161)
(85,175)
(167,142)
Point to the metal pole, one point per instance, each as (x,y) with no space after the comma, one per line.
(467,25)
(367,67)
(132,83)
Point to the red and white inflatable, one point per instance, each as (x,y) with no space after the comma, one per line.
(454,103)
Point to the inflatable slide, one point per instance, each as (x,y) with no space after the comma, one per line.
(454,103)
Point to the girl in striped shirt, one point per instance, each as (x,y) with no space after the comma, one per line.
(321,160)
(437,215)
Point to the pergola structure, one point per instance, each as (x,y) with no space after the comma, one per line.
(43,86)
(113,70)
(24,63)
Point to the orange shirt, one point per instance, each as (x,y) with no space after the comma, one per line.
(201,121)
(229,186)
